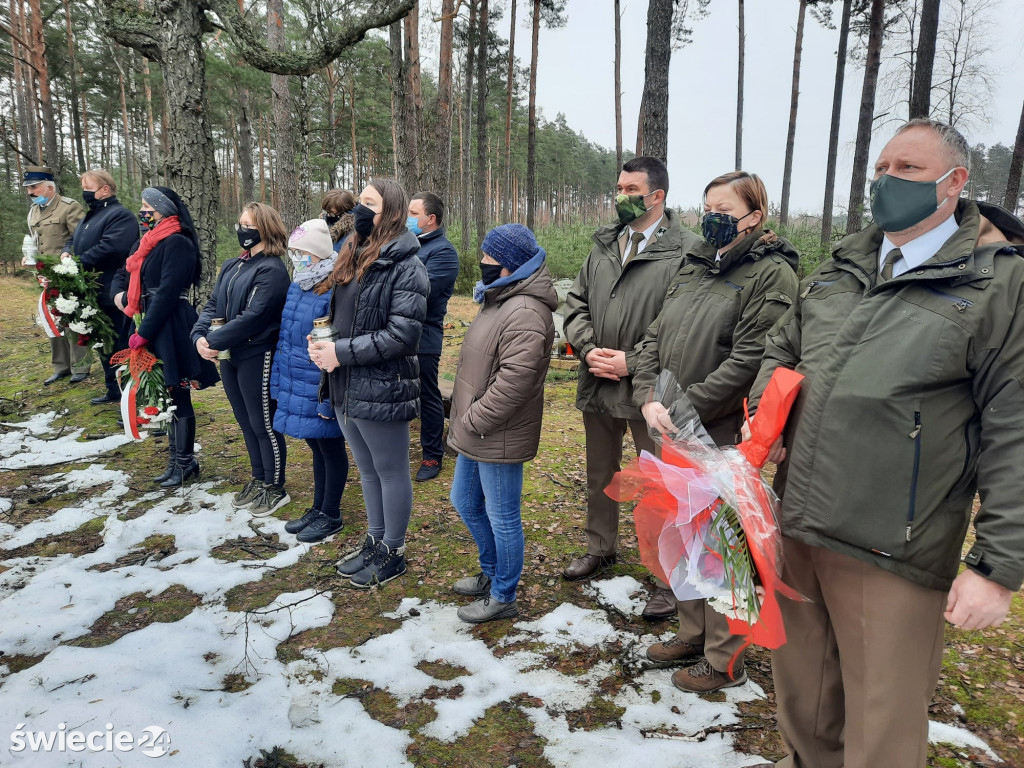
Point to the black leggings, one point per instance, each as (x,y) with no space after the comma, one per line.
(330,473)
(247,385)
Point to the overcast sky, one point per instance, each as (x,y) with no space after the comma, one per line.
(575,75)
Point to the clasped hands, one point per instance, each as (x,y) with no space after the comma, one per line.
(323,354)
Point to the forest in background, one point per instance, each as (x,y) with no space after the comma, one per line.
(278,101)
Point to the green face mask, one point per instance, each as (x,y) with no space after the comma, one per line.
(630,207)
(898,204)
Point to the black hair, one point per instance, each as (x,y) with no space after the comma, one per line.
(653,168)
(432,205)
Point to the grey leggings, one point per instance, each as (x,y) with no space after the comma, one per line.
(381,451)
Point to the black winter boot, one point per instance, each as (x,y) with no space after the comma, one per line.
(172,449)
(187,467)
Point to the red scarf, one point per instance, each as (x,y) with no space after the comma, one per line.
(166,227)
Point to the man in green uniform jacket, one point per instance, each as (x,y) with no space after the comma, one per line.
(617,295)
(911,339)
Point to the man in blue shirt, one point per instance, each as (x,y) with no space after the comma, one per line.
(426,214)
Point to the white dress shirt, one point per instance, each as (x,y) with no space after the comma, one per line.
(920,249)
(628,231)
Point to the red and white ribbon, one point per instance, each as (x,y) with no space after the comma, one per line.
(130,411)
(46,318)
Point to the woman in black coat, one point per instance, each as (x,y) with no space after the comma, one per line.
(155,284)
(378,305)
(249,296)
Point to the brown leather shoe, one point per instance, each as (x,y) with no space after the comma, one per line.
(662,605)
(703,678)
(672,652)
(586,566)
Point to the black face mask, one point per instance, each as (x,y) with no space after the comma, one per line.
(89,196)
(490,272)
(247,237)
(331,220)
(362,220)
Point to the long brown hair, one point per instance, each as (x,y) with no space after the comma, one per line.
(393,213)
(267,221)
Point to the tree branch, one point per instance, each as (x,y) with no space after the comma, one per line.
(132,27)
(252,43)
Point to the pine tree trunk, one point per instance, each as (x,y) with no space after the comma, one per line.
(414,95)
(482,203)
(531,141)
(443,167)
(833,137)
(509,88)
(245,145)
(794,100)
(192,172)
(356,177)
(465,204)
(740,61)
(657,60)
(855,217)
(1012,196)
(404,133)
(22,83)
(921,91)
(52,148)
(618,87)
(286,188)
(73,98)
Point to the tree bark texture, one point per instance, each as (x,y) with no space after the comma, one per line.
(405,139)
(481,201)
(1016,167)
(656,65)
(740,61)
(510,88)
(76,122)
(245,146)
(794,101)
(443,166)
(413,96)
(465,201)
(833,137)
(531,140)
(865,119)
(618,87)
(287,183)
(921,92)
(52,156)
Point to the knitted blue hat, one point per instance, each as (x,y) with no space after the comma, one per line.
(511,245)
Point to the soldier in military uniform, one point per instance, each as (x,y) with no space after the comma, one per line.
(52,220)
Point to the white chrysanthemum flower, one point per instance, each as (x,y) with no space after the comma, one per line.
(80,328)
(66,305)
(66,267)
(87,312)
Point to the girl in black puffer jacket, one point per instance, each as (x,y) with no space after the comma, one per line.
(377,309)
(249,296)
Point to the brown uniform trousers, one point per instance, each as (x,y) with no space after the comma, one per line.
(862,658)
(52,227)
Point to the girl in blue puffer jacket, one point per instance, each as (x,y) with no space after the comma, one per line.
(295,382)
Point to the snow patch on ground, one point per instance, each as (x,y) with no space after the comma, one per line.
(24,445)
(621,593)
(172,675)
(946,733)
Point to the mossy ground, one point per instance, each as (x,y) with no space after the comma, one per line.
(983,672)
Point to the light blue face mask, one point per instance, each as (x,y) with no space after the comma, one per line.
(413,225)
(40,200)
(301,259)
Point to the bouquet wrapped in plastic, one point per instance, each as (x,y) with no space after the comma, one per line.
(705,517)
(145,401)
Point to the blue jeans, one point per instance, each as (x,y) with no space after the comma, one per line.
(487,497)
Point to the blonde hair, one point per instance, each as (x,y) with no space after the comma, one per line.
(748,186)
(101,178)
(268,223)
